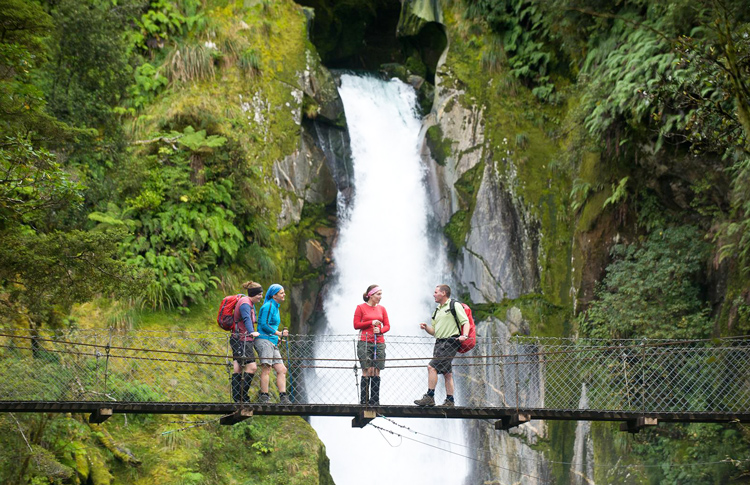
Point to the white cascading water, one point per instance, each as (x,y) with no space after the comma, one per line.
(384,240)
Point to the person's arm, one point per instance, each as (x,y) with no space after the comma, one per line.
(386,323)
(247,318)
(264,324)
(427,328)
(275,321)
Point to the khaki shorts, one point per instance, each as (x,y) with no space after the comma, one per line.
(367,356)
(267,352)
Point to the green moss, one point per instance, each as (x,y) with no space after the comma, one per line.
(468,185)
(415,65)
(545,318)
(457,229)
(734,318)
(614,446)
(460,222)
(559,449)
(439,146)
(592,209)
(519,134)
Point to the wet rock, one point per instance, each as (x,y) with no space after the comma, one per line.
(314,253)
(499,260)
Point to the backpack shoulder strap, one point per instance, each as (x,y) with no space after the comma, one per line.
(237,305)
(455,316)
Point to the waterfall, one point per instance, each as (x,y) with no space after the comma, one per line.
(582,470)
(384,240)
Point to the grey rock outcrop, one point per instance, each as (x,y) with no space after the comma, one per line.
(318,172)
(499,258)
(321,167)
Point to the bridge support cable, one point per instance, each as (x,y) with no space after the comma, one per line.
(508,380)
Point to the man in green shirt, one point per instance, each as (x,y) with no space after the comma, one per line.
(448,339)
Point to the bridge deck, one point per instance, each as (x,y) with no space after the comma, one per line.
(356,410)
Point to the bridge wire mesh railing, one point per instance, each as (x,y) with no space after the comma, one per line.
(649,376)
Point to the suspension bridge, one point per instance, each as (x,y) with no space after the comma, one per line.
(510,380)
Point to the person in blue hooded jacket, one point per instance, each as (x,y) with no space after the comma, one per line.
(266,344)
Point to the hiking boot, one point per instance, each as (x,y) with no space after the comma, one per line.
(284,399)
(264,399)
(426,400)
(448,404)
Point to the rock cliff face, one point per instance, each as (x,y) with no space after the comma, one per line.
(496,242)
(319,173)
(498,254)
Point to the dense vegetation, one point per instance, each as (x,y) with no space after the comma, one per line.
(134,174)
(649,103)
(133,192)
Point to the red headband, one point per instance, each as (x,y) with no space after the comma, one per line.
(373,291)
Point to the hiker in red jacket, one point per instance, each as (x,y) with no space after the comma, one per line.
(241,342)
(371,320)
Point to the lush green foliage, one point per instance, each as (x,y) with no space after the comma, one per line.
(176,203)
(687,446)
(655,140)
(44,266)
(652,290)
(523,36)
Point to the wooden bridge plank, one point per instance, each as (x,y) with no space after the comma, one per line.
(354,410)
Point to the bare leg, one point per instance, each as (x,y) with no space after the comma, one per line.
(265,375)
(449,384)
(432,377)
(280,377)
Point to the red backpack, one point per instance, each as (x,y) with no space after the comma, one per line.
(471,341)
(226,312)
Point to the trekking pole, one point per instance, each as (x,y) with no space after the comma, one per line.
(356,374)
(289,366)
(374,359)
(374,364)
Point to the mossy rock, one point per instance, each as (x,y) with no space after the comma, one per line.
(457,228)
(415,14)
(440,147)
(394,69)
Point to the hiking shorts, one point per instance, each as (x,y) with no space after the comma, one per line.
(267,352)
(366,353)
(242,350)
(442,354)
